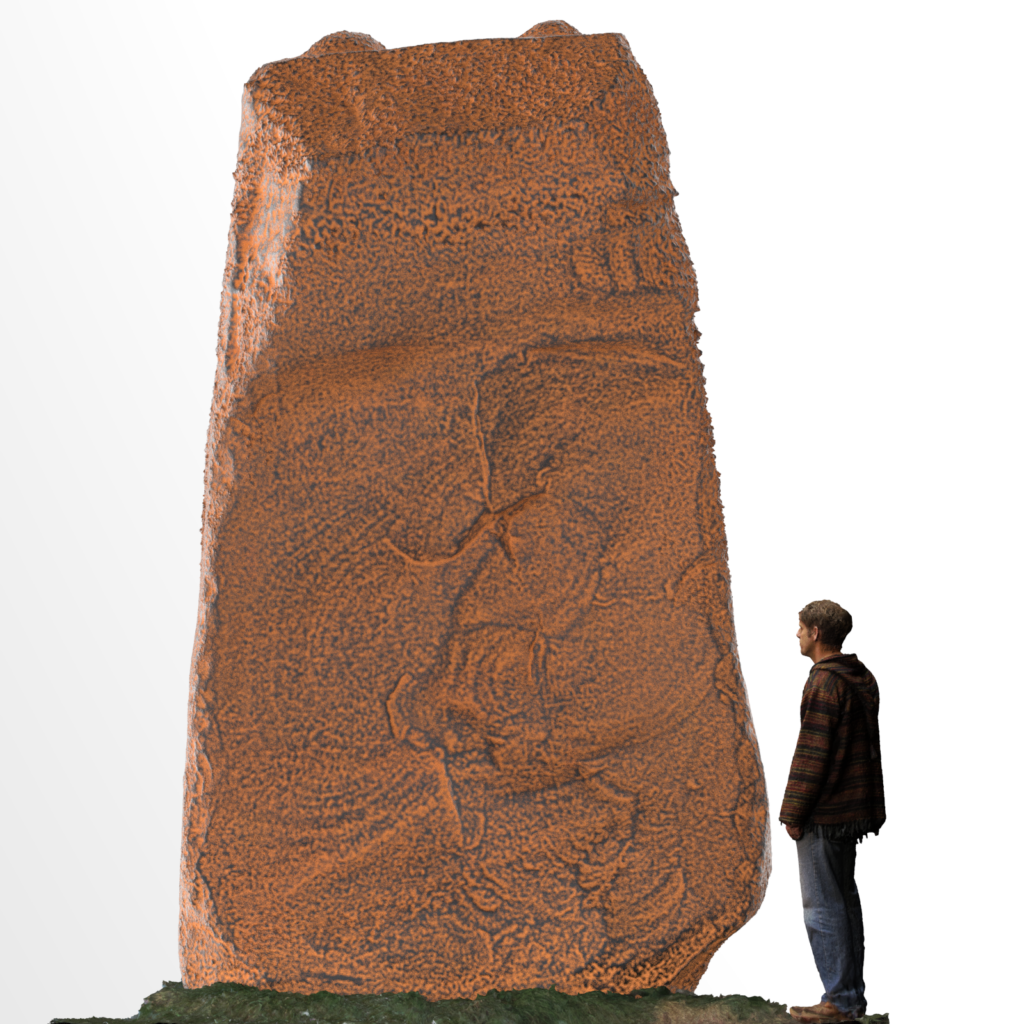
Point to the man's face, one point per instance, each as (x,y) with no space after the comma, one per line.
(806,635)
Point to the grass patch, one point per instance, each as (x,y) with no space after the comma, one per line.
(239,1004)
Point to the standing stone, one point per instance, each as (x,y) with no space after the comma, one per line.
(466,711)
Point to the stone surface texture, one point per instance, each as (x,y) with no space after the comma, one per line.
(466,711)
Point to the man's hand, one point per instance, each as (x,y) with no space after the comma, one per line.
(795,831)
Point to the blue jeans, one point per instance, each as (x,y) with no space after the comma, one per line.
(833,919)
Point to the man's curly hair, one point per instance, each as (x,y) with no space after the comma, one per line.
(832,620)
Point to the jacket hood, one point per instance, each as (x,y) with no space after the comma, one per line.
(847,664)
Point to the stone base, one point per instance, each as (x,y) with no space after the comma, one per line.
(239,1004)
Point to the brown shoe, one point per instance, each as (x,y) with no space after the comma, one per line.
(820,1013)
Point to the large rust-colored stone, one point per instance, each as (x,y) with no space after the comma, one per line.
(466,710)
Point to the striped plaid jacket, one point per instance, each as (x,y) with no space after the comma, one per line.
(835,782)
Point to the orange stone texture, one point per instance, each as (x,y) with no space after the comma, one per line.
(466,710)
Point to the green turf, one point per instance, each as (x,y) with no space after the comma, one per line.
(238,1004)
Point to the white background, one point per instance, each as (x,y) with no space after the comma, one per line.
(849,181)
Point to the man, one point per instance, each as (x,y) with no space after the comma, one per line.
(833,799)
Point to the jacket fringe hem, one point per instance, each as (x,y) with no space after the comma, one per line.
(845,831)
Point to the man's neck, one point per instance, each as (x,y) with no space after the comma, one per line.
(819,653)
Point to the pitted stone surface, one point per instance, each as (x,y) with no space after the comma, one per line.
(466,711)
